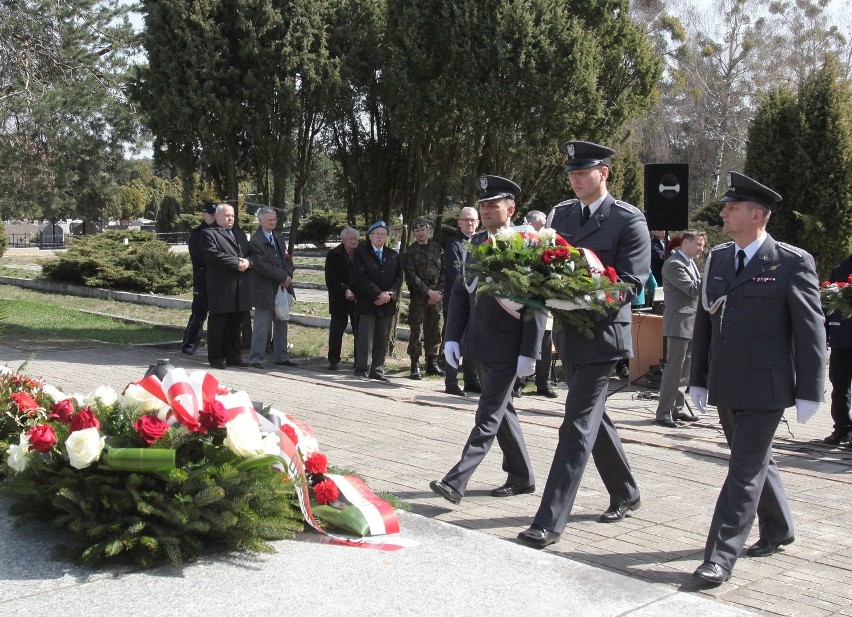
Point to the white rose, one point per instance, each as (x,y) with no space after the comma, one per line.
(84,447)
(270,444)
(106,395)
(547,236)
(137,396)
(506,234)
(55,393)
(17,455)
(5,370)
(243,436)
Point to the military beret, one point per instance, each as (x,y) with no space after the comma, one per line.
(209,208)
(421,221)
(743,188)
(377,225)
(584,154)
(495,187)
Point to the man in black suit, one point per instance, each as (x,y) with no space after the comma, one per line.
(504,345)
(341,298)
(225,249)
(840,363)
(468,222)
(377,279)
(618,234)
(758,347)
(192,334)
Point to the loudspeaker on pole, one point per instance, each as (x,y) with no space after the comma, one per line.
(667,196)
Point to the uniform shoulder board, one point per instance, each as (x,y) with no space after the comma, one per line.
(793,249)
(626,206)
(724,245)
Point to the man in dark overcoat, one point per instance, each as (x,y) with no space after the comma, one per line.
(341,297)
(758,347)
(226,253)
(504,342)
(192,334)
(377,279)
(618,234)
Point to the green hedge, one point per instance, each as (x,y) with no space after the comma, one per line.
(4,241)
(144,265)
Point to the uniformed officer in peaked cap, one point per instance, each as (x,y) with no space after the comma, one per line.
(618,234)
(584,154)
(495,187)
(758,347)
(743,188)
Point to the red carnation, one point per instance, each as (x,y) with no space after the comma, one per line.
(150,428)
(316,463)
(213,416)
(42,438)
(83,419)
(24,402)
(291,433)
(62,411)
(326,492)
(611,274)
(560,241)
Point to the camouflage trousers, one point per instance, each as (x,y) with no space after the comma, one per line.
(424,321)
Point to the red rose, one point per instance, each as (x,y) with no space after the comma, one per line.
(326,492)
(560,241)
(291,433)
(150,428)
(611,274)
(42,438)
(83,419)
(547,256)
(316,463)
(24,402)
(850,279)
(62,411)
(213,416)
(561,253)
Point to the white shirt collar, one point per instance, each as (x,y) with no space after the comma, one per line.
(750,250)
(593,207)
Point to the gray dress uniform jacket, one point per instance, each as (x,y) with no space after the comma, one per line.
(682,286)
(765,347)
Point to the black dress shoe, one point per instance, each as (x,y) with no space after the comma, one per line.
(454,390)
(518,392)
(538,537)
(548,392)
(378,377)
(360,374)
(475,388)
(257,365)
(837,437)
(218,364)
(765,548)
(618,512)
(510,490)
(445,490)
(238,363)
(686,417)
(712,573)
(667,422)
(333,366)
(286,363)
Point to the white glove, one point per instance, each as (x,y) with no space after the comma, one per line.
(452,353)
(699,397)
(526,366)
(805,410)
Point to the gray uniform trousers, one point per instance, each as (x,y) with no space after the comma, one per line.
(587,429)
(752,487)
(675,375)
(495,417)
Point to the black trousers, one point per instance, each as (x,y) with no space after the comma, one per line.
(339,320)
(840,376)
(223,336)
(192,334)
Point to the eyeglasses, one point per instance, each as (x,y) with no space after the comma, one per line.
(468,220)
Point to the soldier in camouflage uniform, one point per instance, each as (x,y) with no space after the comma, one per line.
(424,274)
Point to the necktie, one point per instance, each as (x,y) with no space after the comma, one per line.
(379,254)
(587,214)
(740,261)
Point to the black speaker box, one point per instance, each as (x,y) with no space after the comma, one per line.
(667,196)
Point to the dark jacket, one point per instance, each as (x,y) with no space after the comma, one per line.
(338,279)
(452,262)
(268,275)
(196,256)
(840,330)
(229,290)
(370,278)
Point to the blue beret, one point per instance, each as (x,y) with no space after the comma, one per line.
(376,226)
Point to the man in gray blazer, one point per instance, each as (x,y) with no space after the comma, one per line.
(505,344)
(681,284)
(618,234)
(273,270)
(758,347)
